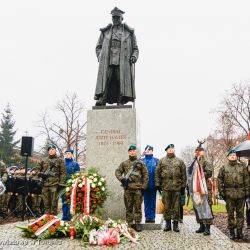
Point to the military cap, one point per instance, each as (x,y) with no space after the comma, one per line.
(199,149)
(231,151)
(169,146)
(71,150)
(51,146)
(148,147)
(117,12)
(132,147)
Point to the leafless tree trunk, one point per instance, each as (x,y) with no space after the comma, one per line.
(236,107)
(66,128)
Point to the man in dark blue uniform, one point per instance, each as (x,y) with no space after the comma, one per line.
(150,193)
(71,168)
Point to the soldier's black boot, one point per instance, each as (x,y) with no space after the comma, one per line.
(231,234)
(176,227)
(240,235)
(167,226)
(207,230)
(201,229)
(138,227)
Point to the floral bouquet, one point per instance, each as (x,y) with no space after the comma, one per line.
(46,227)
(112,233)
(83,224)
(86,193)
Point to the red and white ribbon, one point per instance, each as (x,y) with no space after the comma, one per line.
(73,197)
(86,198)
(123,230)
(46,226)
(39,219)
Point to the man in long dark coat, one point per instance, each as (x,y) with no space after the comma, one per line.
(117,52)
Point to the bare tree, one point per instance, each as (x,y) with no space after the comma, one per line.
(235,107)
(67,128)
(187,154)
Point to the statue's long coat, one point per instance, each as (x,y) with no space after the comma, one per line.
(128,48)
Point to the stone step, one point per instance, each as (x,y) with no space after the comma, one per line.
(153,226)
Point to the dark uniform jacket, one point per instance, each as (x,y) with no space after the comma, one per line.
(139,177)
(171,174)
(56,170)
(233,181)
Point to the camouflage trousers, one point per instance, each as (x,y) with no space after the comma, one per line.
(172,202)
(36,202)
(49,196)
(235,206)
(210,202)
(133,202)
(4,203)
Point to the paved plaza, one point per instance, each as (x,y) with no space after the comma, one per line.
(10,238)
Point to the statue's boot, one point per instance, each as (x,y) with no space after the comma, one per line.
(100,102)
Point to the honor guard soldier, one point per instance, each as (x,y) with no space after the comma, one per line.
(233,185)
(133,175)
(207,169)
(171,178)
(53,173)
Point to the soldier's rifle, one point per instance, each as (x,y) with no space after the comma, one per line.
(48,173)
(129,173)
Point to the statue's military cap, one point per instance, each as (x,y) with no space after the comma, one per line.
(117,12)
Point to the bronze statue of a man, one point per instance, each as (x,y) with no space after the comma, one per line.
(117,52)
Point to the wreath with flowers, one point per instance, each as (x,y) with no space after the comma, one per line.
(46,227)
(86,192)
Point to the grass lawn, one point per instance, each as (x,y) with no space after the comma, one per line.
(220,208)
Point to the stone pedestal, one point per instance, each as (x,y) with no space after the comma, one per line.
(110,131)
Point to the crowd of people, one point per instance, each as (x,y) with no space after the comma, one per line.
(141,178)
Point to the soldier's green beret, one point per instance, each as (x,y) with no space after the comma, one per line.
(231,151)
(169,146)
(51,146)
(199,149)
(132,147)
(117,12)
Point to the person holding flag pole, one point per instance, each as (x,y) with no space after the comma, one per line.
(200,190)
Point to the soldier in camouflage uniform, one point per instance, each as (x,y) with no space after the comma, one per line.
(53,173)
(171,177)
(36,195)
(233,185)
(3,197)
(207,169)
(134,185)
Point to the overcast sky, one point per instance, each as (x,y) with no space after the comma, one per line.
(190,53)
